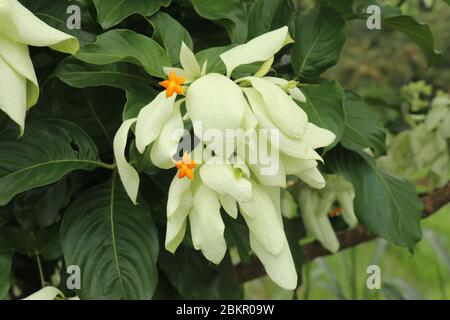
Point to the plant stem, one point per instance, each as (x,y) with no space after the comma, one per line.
(41,270)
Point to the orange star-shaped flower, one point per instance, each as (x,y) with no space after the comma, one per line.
(173,84)
(186,167)
(335,212)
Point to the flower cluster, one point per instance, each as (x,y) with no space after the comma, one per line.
(222,178)
(318,206)
(19,28)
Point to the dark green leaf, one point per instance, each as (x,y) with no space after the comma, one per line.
(196,278)
(49,150)
(385,204)
(325,107)
(261,15)
(111,12)
(230,13)
(319,38)
(122,45)
(363,130)
(114,242)
(119,75)
(171,33)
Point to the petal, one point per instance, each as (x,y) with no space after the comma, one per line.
(281,109)
(179,188)
(13,94)
(295,92)
(292,147)
(318,226)
(127,173)
(263,220)
(221,177)
(295,165)
(165,147)
(215,102)
(207,227)
(176,224)
(17,56)
(28,29)
(189,62)
(151,119)
(229,205)
(317,137)
(261,48)
(280,268)
(46,293)
(345,199)
(313,178)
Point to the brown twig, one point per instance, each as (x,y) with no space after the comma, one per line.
(348,238)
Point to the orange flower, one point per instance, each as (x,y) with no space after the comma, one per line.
(186,167)
(335,212)
(173,84)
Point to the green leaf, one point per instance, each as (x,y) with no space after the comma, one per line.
(261,15)
(114,242)
(82,75)
(49,150)
(171,33)
(122,45)
(87,108)
(111,12)
(385,204)
(231,14)
(363,130)
(137,98)
(447,2)
(5,274)
(419,33)
(325,107)
(319,38)
(15,239)
(196,278)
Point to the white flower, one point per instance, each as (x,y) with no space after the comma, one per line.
(316,209)
(19,28)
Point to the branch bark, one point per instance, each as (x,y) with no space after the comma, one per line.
(347,238)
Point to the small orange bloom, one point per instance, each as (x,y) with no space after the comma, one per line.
(186,167)
(335,212)
(173,84)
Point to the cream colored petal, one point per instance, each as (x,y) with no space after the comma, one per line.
(152,118)
(294,92)
(345,199)
(29,29)
(165,147)
(221,177)
(229,205)
(46,293)
(189,62)
(215,102)
(176,224)
(13,94)
(127,173)
(313,178)
(207,227)
(295,165)
(317,137)
(179,188)
(262,218)
(17,56)
(280,268)
(317,225)
(261,48)
(281,109)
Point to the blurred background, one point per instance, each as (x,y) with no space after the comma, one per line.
(391,73)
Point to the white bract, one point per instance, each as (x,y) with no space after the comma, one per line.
(225,179)
(19,28)
(316,207)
